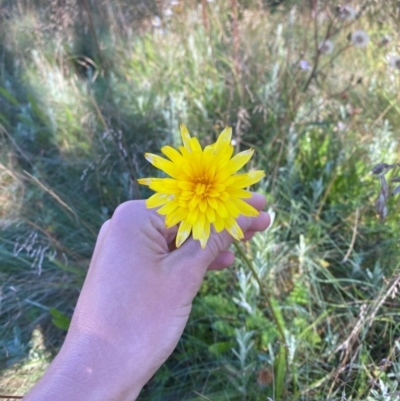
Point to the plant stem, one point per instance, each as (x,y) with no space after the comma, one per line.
(263,291)
(281,361)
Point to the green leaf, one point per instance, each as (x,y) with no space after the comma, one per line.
(224,328)
(59,319)
(220,347)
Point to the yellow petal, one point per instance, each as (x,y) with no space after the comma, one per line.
(183,203)
(145,181)
(167,182)
(192,216)
(198,226)
(225,155)
(183,232)
(211,170)
(238,193)
(218,187)
(168,208)
(185,137)
(212,202)
(187,195)
(162,164)
(205,235)
(223,141)
(195,145)
(210,214)
(158,200)
(224,196)
(245,209)
(173,155)
(221,210)
(188,170)
(212,193)
(247,179)
(237,162)
(165,185)
(187,185)
(233,228)
(186,153)
(219,223)
(203,205)
(194,202)
(176,217)
(232,209)
(196,165)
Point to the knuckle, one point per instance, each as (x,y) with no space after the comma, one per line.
(128,213)
(218,243)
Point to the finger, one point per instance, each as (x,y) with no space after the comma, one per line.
(191,253)
(258,201)
(133,217)
(223,260)
(248,235)
(218,242)
(171,236)
(260,223)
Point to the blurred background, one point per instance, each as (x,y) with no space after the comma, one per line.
(86,87)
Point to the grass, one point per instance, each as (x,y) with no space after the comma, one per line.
(83,98)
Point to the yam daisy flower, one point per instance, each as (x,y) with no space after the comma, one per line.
(203,190)
(359,38)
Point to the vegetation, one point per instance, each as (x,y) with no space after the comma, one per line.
(86,88)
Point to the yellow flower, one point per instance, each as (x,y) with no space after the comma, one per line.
(204,189)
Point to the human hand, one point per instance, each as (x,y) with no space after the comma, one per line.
(135,303)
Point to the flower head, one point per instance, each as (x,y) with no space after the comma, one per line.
(304,65)
(394,62)
(346,13)
(359,38)
(203,190)
(326,47)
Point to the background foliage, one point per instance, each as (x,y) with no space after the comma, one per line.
(87,87)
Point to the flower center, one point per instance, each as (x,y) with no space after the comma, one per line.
(202,186)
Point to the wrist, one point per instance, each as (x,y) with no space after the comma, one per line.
(90,369)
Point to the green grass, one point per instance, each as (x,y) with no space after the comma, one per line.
(83,98)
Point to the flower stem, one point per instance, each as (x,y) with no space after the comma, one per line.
(267,297)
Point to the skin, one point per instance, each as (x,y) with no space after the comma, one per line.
(134,304)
